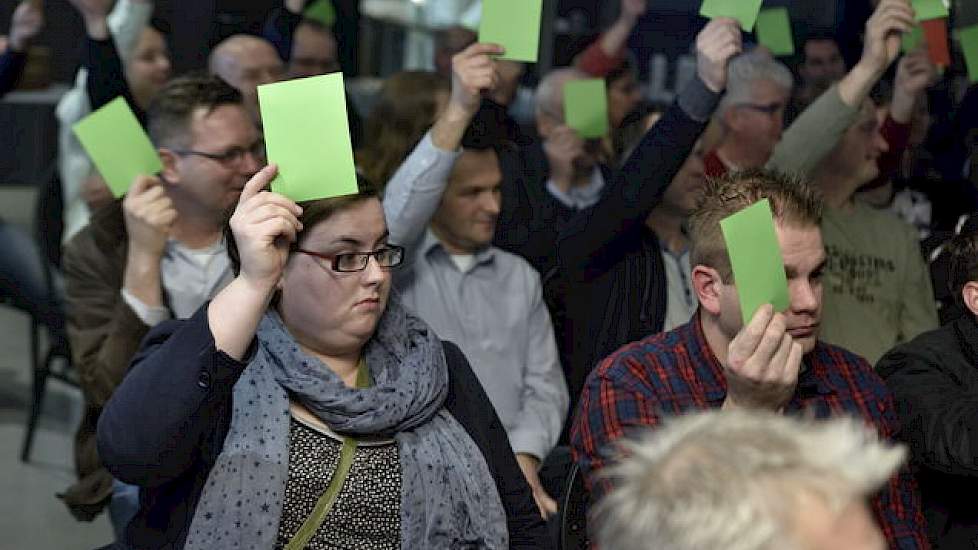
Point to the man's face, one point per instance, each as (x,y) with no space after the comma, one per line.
(210,184)
(466,219)
(761,121)
(804,262)
(313,52)
(823,64)
(255,64)
(686,188)
(860,147)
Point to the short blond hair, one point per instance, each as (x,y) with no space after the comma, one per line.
(792,201)
(731,480)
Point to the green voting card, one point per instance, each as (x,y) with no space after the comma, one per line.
(117,145)
(586,107)
(969,45)
(307,135)
(912,39)
(755,256)
(321,11)
(745,11)
(929,9)
(774,31)
(514,25)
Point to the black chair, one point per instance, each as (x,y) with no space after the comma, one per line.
(573,520)
(55,361)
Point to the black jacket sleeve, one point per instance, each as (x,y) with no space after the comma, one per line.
(469,404)
(11,67)
(937,402)
(599,237)
(279,29)
(173,406)
(106,76)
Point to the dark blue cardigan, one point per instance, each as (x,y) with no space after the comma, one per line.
(165,425)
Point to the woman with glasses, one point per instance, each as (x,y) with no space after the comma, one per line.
(304,407)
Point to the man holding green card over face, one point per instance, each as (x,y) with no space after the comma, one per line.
(157,254)
(773,362)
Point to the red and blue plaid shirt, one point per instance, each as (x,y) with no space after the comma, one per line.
(676,372)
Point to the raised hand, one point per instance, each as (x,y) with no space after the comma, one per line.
(149,216)
(264,224)
(716,44)
(762,363)
(633,9)
(94,12)
(915,72)
(473,73)
(884,29)
(295,6)
(26,23)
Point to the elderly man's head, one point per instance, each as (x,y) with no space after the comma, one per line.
(752,110)
(747,481)
(246,62)
(314,51)
(550,98)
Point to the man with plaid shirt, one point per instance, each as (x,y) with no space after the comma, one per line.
(775,362)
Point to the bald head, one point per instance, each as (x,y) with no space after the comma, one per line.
(550,95)
(246,62)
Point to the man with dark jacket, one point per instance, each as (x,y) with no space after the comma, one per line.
(935,382)
(157,254)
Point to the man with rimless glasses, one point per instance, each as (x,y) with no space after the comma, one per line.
(160,252)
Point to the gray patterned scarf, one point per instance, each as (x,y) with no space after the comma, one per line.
(448,496)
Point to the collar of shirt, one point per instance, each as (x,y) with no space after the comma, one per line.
(579,197)
(432,245)
(813,379)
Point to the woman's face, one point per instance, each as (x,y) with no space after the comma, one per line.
(329,312)
(149,68)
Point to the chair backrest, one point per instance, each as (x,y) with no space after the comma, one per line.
(573,524)
(49,216)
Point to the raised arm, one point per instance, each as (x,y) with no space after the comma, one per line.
(179,389)
(818,129)
(598,237)
(27,22)
(414,192)
(605,54)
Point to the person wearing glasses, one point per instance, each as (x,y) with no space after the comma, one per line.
(306,407)
(750,115)
(157,254)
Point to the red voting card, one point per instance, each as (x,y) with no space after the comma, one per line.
(935,31)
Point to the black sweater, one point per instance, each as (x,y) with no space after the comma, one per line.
(609,288)
(165,425)
(934,380)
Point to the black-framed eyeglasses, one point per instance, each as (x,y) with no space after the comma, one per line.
(387,257)
(231,157)
(769,109)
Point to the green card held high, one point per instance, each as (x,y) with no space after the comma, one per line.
(774,31)
(307,135)
(929,9)
(745,11)
(117,145)
(755,257)
(586,107)
(514,25)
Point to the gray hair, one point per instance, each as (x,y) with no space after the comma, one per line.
(550,91)
(726,479)
(747,68)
